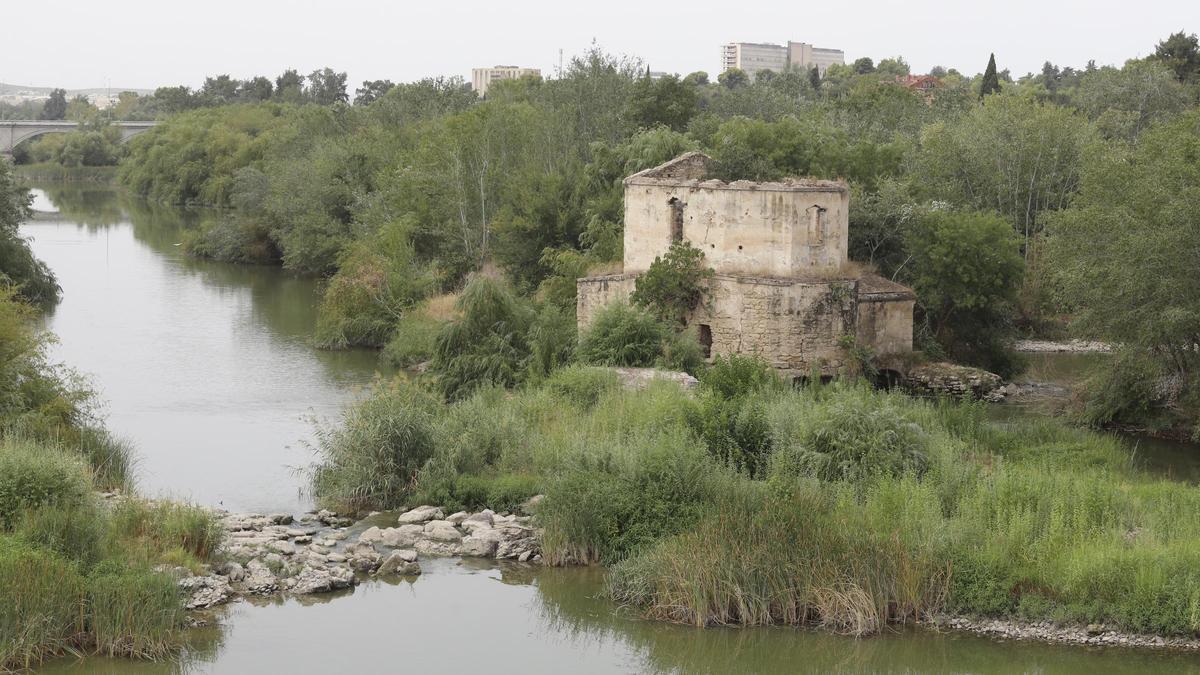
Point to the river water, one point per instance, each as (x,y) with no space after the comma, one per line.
(207,368)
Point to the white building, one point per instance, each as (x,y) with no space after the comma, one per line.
(482,78)
(755,56)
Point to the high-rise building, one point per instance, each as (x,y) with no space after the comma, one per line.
(755,56)
(482,78)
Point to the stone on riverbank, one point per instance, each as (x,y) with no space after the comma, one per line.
(400,562)
(321,580)
(421,514)
(206,591)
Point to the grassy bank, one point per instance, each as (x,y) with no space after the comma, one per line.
(50,171)
(749,502)
(78,576)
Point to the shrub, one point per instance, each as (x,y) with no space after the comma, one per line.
(851,436)
(371,461)
(673,285)
(412,340)
(616,500)
(503,492)
(233,239)
(621,335)
(487,344)
(733,375)
(33,476)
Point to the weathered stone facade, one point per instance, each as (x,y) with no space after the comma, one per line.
(780,287)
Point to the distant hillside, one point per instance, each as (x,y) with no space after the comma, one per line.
(25,90)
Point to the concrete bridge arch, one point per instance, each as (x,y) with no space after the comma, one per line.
(15,132)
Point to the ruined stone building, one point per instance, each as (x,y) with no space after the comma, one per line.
(781,287)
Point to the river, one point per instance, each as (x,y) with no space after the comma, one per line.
(207,368)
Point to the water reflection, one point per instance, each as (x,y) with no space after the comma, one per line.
(475,616)
(206,366)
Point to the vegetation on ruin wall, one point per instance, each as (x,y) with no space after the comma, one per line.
(749,502)
(76,576)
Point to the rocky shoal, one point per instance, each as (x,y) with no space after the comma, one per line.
(1091,635)
(319,552)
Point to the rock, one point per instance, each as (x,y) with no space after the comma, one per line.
(530,506)
(371,535)
(407,555)
(204,592)
(397,563)
(948,379)
(429,547)
(421,514)
(312,580)
(478,546)
(283,547)
(319,550)
(484,517)
(525,556)
(260,580)
(402,537)
(640,378)
(362,557)
(336,558)
(517,540)
(233,570)
(457,518)
(1095,628)
(442,530)
(280,518)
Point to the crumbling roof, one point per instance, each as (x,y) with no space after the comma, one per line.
(691,169)
(875,287)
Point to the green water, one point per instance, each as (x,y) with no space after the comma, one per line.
(208,369)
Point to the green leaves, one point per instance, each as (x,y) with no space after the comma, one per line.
(674,284)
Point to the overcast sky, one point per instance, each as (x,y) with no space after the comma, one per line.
(150,43)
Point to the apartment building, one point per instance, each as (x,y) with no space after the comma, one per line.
(755,56)
(482,78)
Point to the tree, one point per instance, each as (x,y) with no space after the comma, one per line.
(814,78)
(1180,53)
(219,90)
(32,279)
(55,107)
(893,68)
(966,269)
(674,284)
(371,91)
(174,99)
(256,89)
(991,82)
(697,79)
(667,101)
(733,78)
(864,66)
(326,87)
(289,86)
(1011,155)
(1125,101)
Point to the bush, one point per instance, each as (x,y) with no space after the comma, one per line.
(371,461)
(621,335)
(673,285)
(168,526)
(616,500)
(503,492)
(733,375)
(33,476)
(487,344)
(851,436)
(412,340)
(232,239)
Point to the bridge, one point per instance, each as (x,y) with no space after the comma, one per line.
(14,132)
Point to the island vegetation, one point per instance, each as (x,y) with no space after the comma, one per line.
(451,230)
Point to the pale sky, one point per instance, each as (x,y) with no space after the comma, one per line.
(149,43)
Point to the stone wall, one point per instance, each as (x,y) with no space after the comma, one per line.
(885,316)
(783,229)
(793,324)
